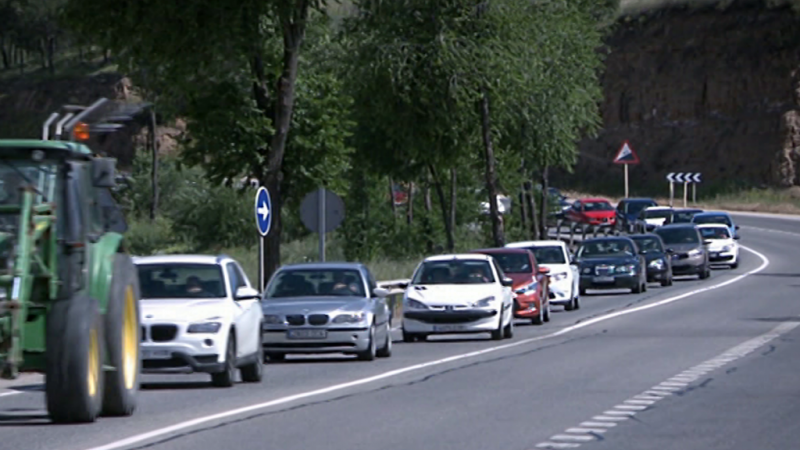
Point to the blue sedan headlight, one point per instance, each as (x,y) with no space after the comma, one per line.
(657,264)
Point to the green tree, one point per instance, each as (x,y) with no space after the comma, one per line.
(231,68)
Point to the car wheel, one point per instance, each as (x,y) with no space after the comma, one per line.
(547,313)
(571,305)
(227,377)
(582,291)
(735,265)
(254,372)
(539,319)
(577,302)
(636,289)
(508,330)
(409,337)
(498,333)
(666,281)
(369,353)
(386,350)
(705,272)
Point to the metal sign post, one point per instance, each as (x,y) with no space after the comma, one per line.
(685,190)
(263,210)
(626,156)
(321,211)
(321,222)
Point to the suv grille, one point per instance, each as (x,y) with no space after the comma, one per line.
(163,333)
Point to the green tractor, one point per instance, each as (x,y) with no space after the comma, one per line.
(69,292)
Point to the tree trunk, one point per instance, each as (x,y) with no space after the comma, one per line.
(43,53)
(153,144)
(391,198)
(293,24)
(498,235)
(453,196)
(5,56)
(51,54)
(523,208)
(531,201)
(106,55)
(437,185)
(410,204)
(545,201)
(427,193)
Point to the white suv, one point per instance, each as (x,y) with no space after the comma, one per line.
(199,314)
(564,277)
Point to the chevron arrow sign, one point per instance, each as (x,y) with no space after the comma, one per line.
(696,177)
(683,177)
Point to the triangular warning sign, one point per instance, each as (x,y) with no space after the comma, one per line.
(626,155)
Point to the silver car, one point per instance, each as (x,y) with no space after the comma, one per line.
(325,308)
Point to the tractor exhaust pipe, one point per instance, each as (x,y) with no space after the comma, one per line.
(46,126)
(60,125)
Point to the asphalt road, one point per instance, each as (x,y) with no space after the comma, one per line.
(708,364)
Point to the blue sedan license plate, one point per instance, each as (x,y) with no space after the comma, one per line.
(603,279)
(307,334)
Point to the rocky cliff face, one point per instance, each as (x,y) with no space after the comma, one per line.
(702,90)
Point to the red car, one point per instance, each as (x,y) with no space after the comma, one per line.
(592,211)
(531,294)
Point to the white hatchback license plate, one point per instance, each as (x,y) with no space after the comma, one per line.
(156,354)
(715,255)
(448,328)
(603,279)
(307,334)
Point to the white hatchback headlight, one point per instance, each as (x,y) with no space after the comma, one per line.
(559,276)
(727,248)
(415,304)
(694,252)
(350,318)
(483,303)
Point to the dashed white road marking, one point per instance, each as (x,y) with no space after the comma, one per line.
(188,424)
(9,393)
(586,431)
(767,230)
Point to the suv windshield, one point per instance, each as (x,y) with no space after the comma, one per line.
(657,213)
(181,280)
(316,283)
(648,244)
(609,247)
(597,206)
(513,262)
(716,218)
(635,208)
(682,235)
(551,254)
(459,271)
(715,233)
(16,174)
(683,216)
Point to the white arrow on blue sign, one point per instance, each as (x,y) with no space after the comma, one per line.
(263,211)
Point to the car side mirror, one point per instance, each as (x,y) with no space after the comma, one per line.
(706,242)
(543,270)
(737,227)
(508,282)
(246,293)
(737,237)
(670,251)
(103,172)
(380,292)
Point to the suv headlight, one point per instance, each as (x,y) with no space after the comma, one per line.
(415,304)
(206,327)
(559,276)
(727,248)
(350,318)
(483,303)
(657,264)
(272,319)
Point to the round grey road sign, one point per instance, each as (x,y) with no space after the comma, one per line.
(334,211)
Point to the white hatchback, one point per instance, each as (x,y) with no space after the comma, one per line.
(455,294)
(722,245)
(564,277)
(199,314)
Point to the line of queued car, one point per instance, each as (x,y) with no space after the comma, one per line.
(202,314)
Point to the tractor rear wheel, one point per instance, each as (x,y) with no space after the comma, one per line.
(74,367)
(123,334)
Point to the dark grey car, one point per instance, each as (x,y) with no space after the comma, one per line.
(326,308)
(687,249)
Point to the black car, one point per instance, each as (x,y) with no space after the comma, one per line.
(687,248)
(659,263)
(682,215)
(628,210)
(611,263)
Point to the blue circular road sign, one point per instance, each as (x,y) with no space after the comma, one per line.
(263,211)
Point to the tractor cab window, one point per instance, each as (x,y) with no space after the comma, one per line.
(16,175)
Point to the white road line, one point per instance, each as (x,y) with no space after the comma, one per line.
(9,393)
(586,430)
(164,431)
(573,437)
(611,418)
(597,424)
(738,352)
(767,230)
(557,445)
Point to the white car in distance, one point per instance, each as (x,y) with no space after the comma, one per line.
(458,294)
(564,276)
(199,314)
(654,217)
(722,248)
